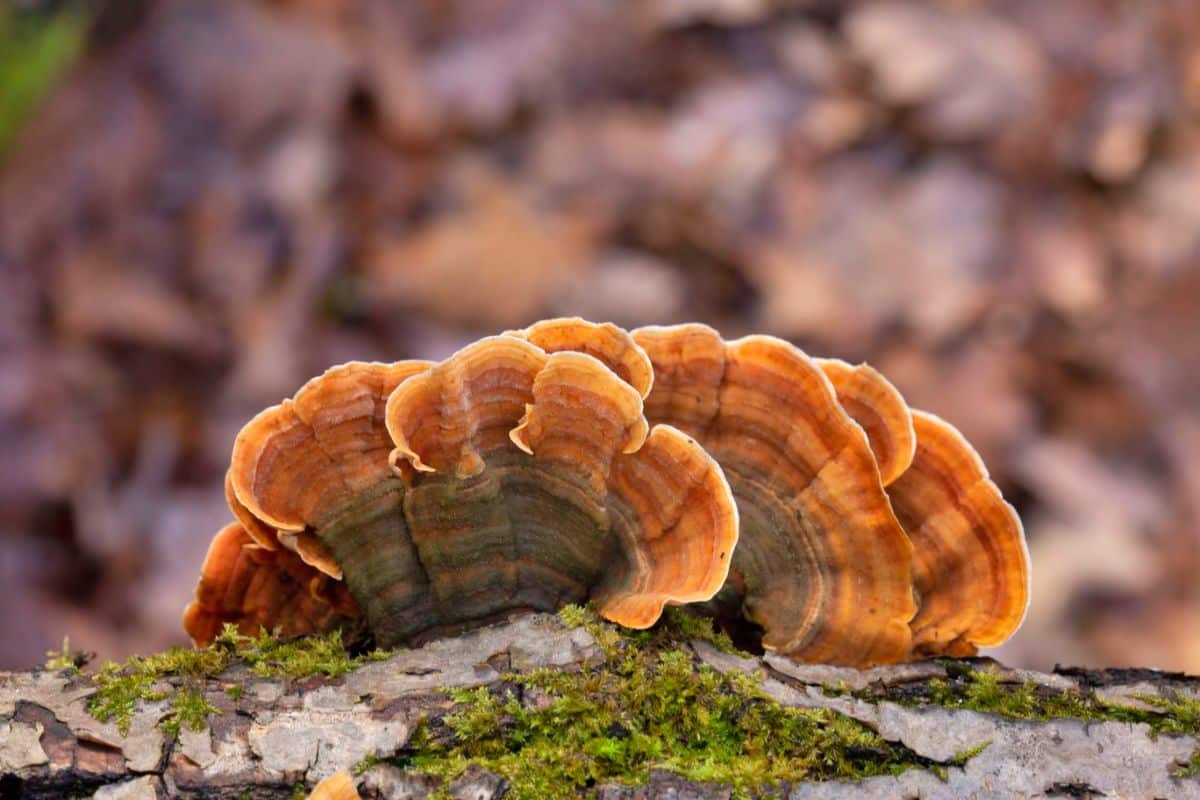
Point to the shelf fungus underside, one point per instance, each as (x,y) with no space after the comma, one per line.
(503,478)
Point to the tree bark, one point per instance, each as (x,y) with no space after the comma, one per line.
(279,734)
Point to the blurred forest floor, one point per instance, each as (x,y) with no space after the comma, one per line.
(995,203)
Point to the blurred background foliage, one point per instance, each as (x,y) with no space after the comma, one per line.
(37,44)
(205,202)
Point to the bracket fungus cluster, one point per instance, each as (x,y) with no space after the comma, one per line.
(573,461)
(444,495)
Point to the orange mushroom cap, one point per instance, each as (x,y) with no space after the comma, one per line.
(255,588)
(338,786)
(263,534)
(535,483)
(971,564)
(300,463)
(822,564)
(874,403)
(311,465)
(447,495)
(614,346)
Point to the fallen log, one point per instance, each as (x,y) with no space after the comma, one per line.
(456,717)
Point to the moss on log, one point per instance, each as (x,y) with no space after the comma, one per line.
(564,706)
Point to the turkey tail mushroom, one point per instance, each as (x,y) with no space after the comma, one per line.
(338,786)
(535,474)
(822,564)
(448,495)
(878,407)
(612,345)
(574,461)
(245,584)
(971,565)
(314,469)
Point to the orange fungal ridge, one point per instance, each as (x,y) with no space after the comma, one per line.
(877,406)
(338,786)
(971,571)
(822,566)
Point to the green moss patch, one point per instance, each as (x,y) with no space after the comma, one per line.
(1189,768)
(988,692)
(651,704)
(120,686)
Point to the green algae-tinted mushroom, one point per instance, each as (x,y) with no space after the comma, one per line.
(971,565)
(666,500)
(523,473)
(536,484)
(822,565)
(314,469)
(516,480)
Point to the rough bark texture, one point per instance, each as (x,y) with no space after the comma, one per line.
(279,733)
